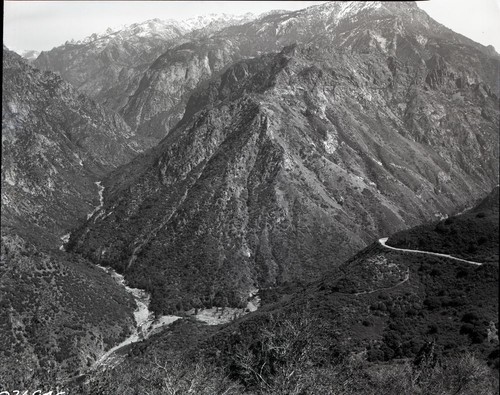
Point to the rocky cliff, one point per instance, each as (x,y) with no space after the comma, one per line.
(286,165)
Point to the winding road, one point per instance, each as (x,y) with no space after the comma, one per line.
(383,242)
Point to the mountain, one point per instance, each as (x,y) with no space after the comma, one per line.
(380,305)
(206,24)
(105,66)
(384,321)
(287,144)
(286,165)
(58,311)
(108,66)
(56,143)
(399,30)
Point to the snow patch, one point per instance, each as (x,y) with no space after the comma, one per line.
(382,42)
(10,177)
(349,8)
(12,107)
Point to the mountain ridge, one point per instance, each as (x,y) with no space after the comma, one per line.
(155,107)
(336,154)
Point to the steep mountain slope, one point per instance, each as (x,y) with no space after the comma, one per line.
(105,66)
(285,166)
(400,30)
(383,322)
(58,311)
(381,305)
(108,66)
(55,144)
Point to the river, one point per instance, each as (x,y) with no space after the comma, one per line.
(146,322)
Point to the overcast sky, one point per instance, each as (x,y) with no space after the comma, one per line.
(42,25)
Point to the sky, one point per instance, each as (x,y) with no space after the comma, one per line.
(42,25)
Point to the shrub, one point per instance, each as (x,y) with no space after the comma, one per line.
(367,322)
(433,328)
(470,317)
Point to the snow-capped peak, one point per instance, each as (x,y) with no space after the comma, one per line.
(349,8)
(165,28)
(346,9)
(202,21)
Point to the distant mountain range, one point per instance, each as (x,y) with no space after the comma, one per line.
(151,91)
(109,66)
(30,54)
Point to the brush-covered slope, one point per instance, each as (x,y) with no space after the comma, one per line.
(58,312)
(286,165)
(380,306)
(399,30)
(55,144)
(383,322)
(473,234)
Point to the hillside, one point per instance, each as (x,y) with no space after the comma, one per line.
(472,234)
(56,143)
(382,322)
(58,311)
(286,165)
(253,205)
